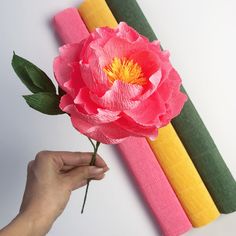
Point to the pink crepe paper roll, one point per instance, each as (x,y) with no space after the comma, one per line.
(136,152)
(154,186)
(70,26)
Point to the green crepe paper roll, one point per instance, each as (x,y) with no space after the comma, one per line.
(188,124)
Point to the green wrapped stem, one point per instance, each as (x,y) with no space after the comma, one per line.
(92,163)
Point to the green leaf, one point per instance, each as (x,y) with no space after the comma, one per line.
(44,102)
(40,79)
(33,77)
(19,68)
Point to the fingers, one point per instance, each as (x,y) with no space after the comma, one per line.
(74,158)
(99,177)
(66,161)
(79,176)
(73,167)
(84,182)
(80,158)
(30,164)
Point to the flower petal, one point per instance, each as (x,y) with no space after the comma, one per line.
(76,82)
(99,133)
(121,96)
(135,129)
(94,77)
(102,116)
(151,86)
(83,100)
(147,113)
(61,66)
(149,62)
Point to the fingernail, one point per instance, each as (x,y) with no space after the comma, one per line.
(96,171)
(106,169)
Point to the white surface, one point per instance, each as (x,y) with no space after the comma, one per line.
(201,37)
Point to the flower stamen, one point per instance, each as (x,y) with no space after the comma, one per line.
(125,70)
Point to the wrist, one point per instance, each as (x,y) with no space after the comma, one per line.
(36,224)
(27,224)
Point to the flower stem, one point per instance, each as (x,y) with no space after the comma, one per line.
(92,163)
(91,141)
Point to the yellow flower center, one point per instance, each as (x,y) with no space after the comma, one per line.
(125,70)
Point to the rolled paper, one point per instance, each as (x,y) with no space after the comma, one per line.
(183,177)
(207,158)
(192,193)
(188,125)
(86,11)
(71,26)
(154,186)
(150,178)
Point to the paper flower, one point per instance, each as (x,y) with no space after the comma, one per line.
(118,84)
(114,84)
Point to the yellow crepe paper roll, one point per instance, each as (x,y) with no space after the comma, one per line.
(168,149)
(183,177)
(96,14)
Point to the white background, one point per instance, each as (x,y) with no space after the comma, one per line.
(201,37)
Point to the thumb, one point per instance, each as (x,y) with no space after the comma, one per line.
(79,176)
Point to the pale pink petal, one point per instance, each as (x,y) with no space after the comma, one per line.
(126,32)
(102,116)
(95,41)
(148,111)
(115,47)
(166,68)
(175,99)
(61,66)
(138,130)
(118,47)
(83,99)
(94,78)
(85,51)
(156,47)
(104,34)
(76,82)
(151,86)
(170,84)
(66,104)
(121,96)
(176,103)
(130,34)
(99,133)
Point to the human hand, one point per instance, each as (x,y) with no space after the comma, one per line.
(52,176)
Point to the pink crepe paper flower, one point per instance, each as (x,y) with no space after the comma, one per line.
(118,84)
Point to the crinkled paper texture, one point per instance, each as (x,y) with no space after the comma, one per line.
(110,112)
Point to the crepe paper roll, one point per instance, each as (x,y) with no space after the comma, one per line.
(86,11)
(183,177)
(188,125)
(207,158)
(152,181)
(68,25)
(200,208)
(154,186)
